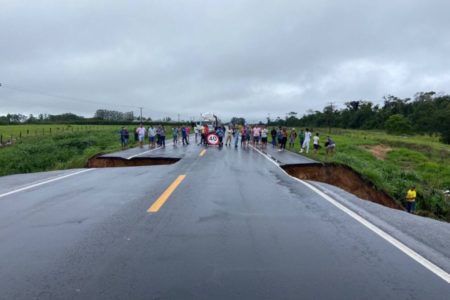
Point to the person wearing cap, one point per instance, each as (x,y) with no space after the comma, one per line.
(411,200)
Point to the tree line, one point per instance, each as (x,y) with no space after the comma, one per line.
(426,113)
(101,117)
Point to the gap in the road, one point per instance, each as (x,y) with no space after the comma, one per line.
(113,162)
(344,177)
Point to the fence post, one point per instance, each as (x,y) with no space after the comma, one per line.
(28,131)
(1,139)
(20,135)
(50,130)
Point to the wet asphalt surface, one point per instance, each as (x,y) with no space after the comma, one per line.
(237,227)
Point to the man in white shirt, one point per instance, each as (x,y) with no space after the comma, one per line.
(306,141)
(264,133)
(151,137)
(141,135)
(316,142)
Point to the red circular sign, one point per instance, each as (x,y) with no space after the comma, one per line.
(213,139)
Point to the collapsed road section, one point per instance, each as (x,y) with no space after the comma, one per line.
(100,161)
(344,177)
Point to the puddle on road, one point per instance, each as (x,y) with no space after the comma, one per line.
(343,177)
(99,161)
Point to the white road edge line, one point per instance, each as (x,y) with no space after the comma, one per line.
(44,182)
(141,153)
(393,241)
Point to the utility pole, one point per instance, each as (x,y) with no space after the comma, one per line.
(140,108)
(178,118)
(331,104)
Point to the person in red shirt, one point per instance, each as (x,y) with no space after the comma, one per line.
(206,129)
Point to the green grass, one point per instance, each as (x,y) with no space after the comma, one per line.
(59,150)
(413,160)
(17,132)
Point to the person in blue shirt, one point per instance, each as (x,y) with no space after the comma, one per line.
(220,133)
(184,136)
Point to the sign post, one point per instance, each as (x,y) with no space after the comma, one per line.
(213,139)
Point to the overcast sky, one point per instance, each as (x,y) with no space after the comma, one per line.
(233,58)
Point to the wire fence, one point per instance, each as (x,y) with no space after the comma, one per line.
(11,135)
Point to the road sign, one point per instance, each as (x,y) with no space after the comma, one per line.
(213,139)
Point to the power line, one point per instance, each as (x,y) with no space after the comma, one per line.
(73,99)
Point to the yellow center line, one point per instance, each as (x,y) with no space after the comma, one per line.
(203,152)
(164,196)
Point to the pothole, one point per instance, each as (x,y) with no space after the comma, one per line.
(343,177)
(99,161)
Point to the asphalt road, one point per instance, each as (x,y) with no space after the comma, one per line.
(236,227)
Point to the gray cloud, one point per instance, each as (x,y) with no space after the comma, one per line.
(235,58)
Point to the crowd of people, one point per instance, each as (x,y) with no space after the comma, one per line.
(236,135)
(258,136)
(156,136)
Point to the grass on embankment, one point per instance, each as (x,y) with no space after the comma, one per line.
(61,150)
(394,163)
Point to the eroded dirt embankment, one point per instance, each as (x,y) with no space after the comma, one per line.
(99,161)
(343,177)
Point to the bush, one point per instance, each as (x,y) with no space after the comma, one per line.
(398,124)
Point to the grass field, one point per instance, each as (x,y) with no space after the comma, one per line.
(58,149)
(16,132)
(394,163)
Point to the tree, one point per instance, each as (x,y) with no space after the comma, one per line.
(398,124)
(237,121)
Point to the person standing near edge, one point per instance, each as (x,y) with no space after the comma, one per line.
(151,137)
(264,133)
(124,137)
(306,141)
(411,200)
(292,138)
(141,135)
(316,143)
(175,136)
(162,136)
(273,134)
(184,135)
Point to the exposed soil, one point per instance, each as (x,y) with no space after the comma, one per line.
(379,151)
(344,177)
(98,161)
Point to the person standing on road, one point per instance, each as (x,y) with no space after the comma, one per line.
(306,141)
(141,135)
(196,132)
(316,143)
(151,137)
(292,138)
(124,137)
(175,136)
(188,132)
(264,133)
(284,136)
(162,136)
(184,135)
(302,137)
(206,133)
(228,135)
(273,134)
(236,136)
(243,137)
(220,133)
(255,136)
(411,200)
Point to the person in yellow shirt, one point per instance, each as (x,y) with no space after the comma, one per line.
(411,200)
